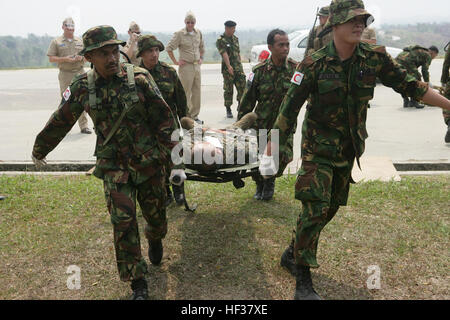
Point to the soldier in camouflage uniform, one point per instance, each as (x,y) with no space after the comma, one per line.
(445,80)
(340,83)
(411,59)
(319,38)
(266,88)
(133,126)
(149,48)
(232,70)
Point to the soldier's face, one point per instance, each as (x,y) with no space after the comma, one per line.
(323,20)
(280,49)
(105,60)
(351,31)
(150,57)
(229,31)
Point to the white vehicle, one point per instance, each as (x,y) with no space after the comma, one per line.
(298,42)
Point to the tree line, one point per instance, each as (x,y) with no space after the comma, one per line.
(31,52)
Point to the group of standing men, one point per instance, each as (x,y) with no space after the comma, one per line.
(134,112)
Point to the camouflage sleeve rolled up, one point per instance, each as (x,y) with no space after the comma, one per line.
(425,66)
(221,45)
(162,123)
(60,122)
(294,100)
(249,97)
(393,75)
(445,69)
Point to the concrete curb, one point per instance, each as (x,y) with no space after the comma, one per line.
(84,166)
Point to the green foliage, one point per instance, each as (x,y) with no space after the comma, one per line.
(18,52)
(31,52)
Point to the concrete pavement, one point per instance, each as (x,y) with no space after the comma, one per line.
(28,98)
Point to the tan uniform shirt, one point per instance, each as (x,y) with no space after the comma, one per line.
(189,45)
(369,34)
(62,47)
(134,60)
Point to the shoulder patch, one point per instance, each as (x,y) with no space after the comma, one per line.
(292,61)
(259,65)
(67,94)
(297,78)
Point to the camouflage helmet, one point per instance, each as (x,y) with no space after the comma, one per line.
(324,11)
(342,11)
(98,37)
(146,42)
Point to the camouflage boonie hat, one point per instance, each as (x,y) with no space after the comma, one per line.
(324,11)
(98,37)
(146,42)
(341,11)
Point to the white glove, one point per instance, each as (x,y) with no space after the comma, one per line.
(38,163)
(177,177)
(267,167)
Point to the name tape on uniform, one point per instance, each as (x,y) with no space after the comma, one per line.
(67,94)
(297,78)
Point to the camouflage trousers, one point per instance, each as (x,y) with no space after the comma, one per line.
(229,81)
(322,189)
(121,202)
(446,113)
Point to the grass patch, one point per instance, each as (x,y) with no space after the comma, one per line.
(229,249)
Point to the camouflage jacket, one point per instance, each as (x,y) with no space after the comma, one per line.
(415,57)
(230,45)
(315,42)
(445,69)
(171,88)
(142,143)
(334,129)
(266,87)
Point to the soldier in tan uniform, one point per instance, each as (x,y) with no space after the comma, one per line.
(189,42)
(369,36)
(318,37)
(131,47)
(64,51)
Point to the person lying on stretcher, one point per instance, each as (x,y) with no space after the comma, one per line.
(208,149)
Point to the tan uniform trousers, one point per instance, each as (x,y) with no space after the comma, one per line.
(65,78)
(191,79)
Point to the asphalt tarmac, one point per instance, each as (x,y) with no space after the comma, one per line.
(28,98)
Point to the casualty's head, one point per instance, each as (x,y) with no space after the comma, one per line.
(101,48)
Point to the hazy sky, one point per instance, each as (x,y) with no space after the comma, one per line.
(20,17)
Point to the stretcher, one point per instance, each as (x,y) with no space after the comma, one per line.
(225,175)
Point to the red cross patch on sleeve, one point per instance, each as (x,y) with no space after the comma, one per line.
(67,94)
(297,78)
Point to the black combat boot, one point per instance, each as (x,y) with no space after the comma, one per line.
(259,190)
(288,260)
(140,291)
(447,136)
(405,103)
(415,104)
(155,251)
(269,189)
(178,193)
(169,198)
(229,113)
(304,288)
